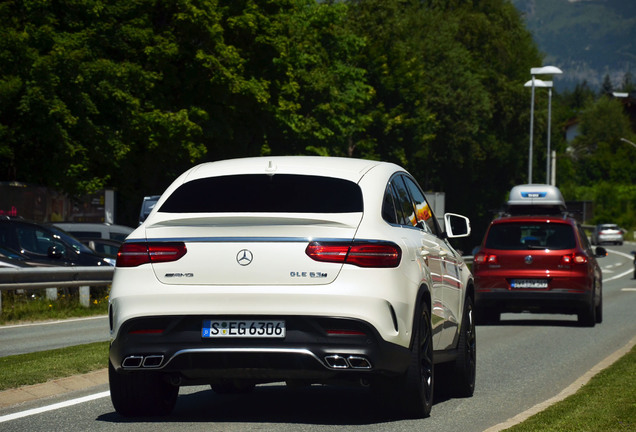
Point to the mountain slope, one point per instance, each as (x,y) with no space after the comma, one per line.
(588,39)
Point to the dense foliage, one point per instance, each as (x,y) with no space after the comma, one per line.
(126,94)
(599,163)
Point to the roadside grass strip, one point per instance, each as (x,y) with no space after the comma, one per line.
(38,367)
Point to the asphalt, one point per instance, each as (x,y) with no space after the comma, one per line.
(59,386)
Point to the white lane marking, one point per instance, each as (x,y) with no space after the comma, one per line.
(628,289)
(618,276)
(53,322)
(60,405)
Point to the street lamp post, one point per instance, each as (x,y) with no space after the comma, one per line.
(548,85)
(545,70)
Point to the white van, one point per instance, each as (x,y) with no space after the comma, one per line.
(84,230)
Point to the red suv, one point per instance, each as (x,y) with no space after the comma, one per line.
(537,263)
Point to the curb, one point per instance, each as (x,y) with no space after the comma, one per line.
(51,388)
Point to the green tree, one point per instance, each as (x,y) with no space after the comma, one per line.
(449,98)
(607,87)
(598,151)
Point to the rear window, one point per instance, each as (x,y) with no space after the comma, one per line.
(521,236)
(280,193)
(609,227)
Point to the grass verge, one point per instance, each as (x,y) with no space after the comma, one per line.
(20,306)
(33,368)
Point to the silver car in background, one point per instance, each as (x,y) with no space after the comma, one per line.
(607,233)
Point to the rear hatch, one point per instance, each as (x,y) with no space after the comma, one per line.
(528,252)
(257,250)
(249,228)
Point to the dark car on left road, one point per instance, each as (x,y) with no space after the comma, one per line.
(45,244)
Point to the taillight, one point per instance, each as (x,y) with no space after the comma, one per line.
(482,258)
(136,254)
(363,254)
(574,259)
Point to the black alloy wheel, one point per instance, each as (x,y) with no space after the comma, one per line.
(416,396)
(466,363)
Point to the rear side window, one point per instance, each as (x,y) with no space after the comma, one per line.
(522,236)
(280,193)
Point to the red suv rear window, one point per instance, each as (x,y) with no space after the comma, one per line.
(535,235)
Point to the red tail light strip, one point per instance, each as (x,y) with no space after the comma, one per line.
(361,254)
(136,254)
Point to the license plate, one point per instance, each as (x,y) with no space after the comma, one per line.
(529,283)
(243,329)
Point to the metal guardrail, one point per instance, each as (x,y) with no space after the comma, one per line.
(54,277)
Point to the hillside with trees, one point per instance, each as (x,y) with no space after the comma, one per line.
(588,39)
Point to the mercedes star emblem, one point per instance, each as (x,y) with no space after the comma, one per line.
(244,257)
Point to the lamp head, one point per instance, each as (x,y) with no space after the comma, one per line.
(546,70)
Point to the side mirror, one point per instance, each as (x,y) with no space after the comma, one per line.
(456,225)
(600,251)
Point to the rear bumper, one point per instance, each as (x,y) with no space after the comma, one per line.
(552,301)
(173,346)
(610,239)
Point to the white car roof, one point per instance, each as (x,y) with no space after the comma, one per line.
(347,168)
(337,167)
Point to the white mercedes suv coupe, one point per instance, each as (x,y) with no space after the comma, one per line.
(291,269)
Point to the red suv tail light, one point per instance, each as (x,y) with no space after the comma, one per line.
(136,254)
(364,254)
(574,259)
(482,258)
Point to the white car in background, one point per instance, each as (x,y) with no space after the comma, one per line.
(607,233)
(296,269)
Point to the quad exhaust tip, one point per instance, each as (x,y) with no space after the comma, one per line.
(139,361)
(336,361)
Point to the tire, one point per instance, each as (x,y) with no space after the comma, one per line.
(587,315)
(141,393)
(599,308)
(414,390)
(465,367)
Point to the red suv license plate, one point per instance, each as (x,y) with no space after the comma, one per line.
(243,329)
(529,283)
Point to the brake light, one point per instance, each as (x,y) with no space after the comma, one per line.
(574,259)
(136,254)
(482,258)
(363,254)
